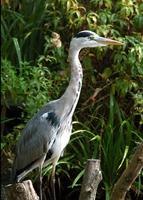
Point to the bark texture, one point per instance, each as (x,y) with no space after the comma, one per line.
(129,175)
(91,180)
(20,191)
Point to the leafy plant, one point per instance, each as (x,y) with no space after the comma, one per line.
(30,89)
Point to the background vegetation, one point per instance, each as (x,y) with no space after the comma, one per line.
(109,118)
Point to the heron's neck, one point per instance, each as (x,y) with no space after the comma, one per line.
(76,70)
(72,93)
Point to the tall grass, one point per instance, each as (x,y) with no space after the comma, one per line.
(23,24)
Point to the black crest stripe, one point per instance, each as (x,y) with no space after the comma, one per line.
(83,34)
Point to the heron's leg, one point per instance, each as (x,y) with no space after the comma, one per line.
(53,181)
(40,180)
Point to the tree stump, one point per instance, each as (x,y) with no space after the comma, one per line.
(20,191)
(91,180)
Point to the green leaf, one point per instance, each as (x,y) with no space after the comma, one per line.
(79,176)
(18,51)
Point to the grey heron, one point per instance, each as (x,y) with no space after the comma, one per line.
(48,132)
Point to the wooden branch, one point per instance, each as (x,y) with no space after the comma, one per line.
(20,191)
(129,175)
(91,180)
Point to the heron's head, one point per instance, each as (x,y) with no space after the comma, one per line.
(87,38)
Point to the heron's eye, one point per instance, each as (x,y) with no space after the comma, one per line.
(91,37)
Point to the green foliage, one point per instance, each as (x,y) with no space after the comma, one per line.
(106,125)
(30,90)
(10,139)
(22,21)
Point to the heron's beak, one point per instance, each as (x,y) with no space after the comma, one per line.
(108,41)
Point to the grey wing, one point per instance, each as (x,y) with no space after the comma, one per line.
(36,139)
